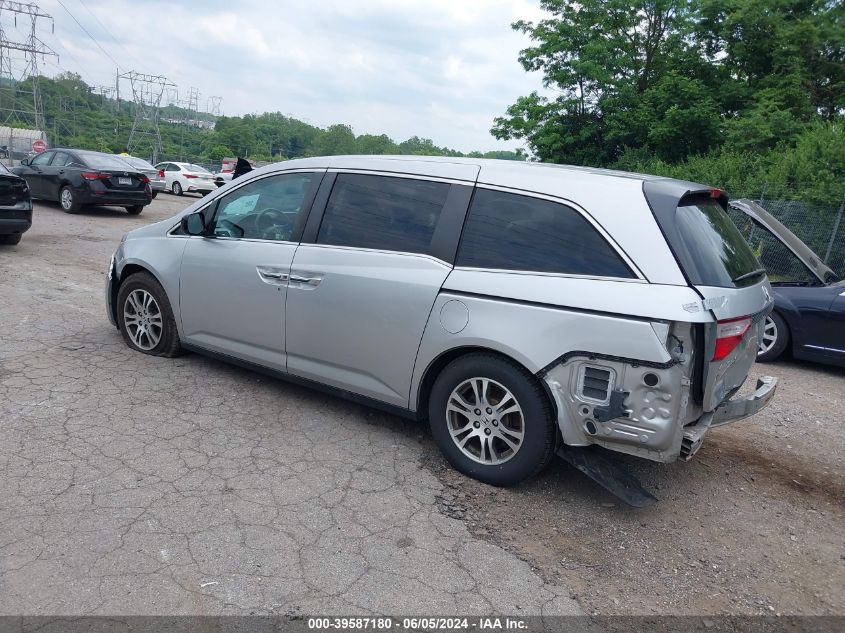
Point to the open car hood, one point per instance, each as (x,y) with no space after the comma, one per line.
(791,241)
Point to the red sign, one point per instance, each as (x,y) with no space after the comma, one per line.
(38,146)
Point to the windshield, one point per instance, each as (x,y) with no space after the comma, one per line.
(781,264)
(713,251)
(137,163)
(198,168)
(103,161)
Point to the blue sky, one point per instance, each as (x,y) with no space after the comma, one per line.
(441,69)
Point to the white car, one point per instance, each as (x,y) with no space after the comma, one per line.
(182,177)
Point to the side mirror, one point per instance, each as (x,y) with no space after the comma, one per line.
(192,224)
(24,161)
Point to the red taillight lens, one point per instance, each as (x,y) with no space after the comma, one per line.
(161,173)
(190,176)
(143,178)
(93,175)
(729,334)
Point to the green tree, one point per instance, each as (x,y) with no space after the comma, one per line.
(336,139)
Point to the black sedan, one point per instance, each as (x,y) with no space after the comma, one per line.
(15,207)
(809,314)
(77,178)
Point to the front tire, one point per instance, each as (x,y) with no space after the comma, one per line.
(774,340)
(68,200)
(135,209)
(491,419)
(145,317)
(177,189)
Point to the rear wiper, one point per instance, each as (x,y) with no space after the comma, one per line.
(753,273)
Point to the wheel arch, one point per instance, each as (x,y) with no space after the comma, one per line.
(128,269)
(440,362)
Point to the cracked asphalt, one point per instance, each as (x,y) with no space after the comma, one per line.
(139,485)
(132,485)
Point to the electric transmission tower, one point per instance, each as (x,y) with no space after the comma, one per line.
(147,93)
(20,101)
(191,106)
(213,106)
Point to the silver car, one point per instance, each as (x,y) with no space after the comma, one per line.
(523,309)
(156,176)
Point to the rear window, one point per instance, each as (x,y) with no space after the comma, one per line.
(137,163)
(104,161)
(712,250)
(506,231)
(198,168)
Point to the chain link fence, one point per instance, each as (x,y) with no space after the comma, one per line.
(821,227)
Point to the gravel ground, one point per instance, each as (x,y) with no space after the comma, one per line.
(133,484)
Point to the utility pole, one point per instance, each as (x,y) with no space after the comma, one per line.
(147,93)
(21,104)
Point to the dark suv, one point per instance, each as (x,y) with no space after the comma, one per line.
(76,178)
(15,207)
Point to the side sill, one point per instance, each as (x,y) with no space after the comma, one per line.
(406,414)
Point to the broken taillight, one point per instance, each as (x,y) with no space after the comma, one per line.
(729,334)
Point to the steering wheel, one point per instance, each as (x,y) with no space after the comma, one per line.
(268,222)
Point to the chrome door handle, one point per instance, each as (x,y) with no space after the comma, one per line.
(273,276)
(306,279)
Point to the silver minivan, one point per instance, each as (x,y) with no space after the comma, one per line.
(524,309)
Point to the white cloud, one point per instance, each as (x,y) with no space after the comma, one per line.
(441,69)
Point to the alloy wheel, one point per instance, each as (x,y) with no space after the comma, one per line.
(769,337)
(142,319)
(485,421)
(66,199)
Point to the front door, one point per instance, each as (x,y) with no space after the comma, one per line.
(34,172)
(52,175)
(836,326)
(233,283)
(359,298)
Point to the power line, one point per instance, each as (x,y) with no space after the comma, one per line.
(93,39)
(106,29)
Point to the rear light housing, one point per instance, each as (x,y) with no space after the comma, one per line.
(161,173)
(143,178)
(729,334)
(190,176)
(95,175)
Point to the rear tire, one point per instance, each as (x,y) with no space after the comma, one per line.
(135,209)
(491,419)
(177,189)
(775,338)
(145,317)
(154,194)
(10,240)
(68,201)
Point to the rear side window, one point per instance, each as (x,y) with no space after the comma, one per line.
(512,232)
(382,212)
(712,250)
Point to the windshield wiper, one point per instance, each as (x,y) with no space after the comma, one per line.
(753,273)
